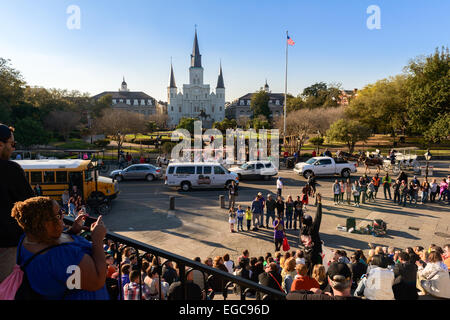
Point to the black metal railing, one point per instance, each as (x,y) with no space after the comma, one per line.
(185,266)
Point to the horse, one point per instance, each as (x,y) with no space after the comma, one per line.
(371,162)
(347,156)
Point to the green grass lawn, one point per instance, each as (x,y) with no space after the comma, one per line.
(73,144)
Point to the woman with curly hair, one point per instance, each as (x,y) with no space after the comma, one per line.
(288,274)
(320,275)
(57,252)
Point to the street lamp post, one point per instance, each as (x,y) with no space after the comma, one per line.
(427,157)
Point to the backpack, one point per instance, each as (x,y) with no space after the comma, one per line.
(17,286)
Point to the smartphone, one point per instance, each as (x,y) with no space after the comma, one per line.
(89,221)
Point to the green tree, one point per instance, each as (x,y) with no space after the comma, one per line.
(30,132)
(225,124)
(315,89)
(348,132)
(11,85)
(260,122)
(439,130)
(382,106)
(294,103)
(429,89)
(187,123)
(317,141)
(151,126)
(321,95)
(104,103)
(259,104)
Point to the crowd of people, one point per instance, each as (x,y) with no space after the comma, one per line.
(31,225)
(385,274)
(365,190)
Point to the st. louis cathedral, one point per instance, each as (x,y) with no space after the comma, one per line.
(196,100)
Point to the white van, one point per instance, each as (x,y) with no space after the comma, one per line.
(189,175)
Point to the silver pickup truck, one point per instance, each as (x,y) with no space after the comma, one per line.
(325,166)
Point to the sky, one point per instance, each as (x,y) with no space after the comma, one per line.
(137,39)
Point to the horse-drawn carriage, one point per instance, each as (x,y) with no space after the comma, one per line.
(368,159)
(404,159)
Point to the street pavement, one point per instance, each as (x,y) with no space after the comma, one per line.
(199,227)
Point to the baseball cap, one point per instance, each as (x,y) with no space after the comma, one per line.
(259,194)
(5,132)
(339,272)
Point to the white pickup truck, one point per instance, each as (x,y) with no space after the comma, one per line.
(325,166)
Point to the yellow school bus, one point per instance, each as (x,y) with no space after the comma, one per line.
(56,176)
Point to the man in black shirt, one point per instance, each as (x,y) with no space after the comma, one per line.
(405,272)
(270,205)
(169,273)
(193,291)
(232,194)
(13,188)
(270,278)
(340,280)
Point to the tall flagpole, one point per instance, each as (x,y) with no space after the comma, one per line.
(285,90)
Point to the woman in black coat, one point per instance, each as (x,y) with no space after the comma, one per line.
(310,238)
(279,205)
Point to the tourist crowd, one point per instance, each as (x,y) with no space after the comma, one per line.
(365,190)
(33,235)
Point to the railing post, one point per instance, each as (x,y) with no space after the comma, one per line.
(120,273)
(222,201)
(171,203)
(182,270)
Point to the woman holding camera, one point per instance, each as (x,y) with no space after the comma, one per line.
(65,266)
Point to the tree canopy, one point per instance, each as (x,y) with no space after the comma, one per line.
(428,89)
(348,132)
(382,106)
(260,104)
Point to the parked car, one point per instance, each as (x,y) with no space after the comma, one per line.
(255,169)
(137,171)
(325,166)
(189,175)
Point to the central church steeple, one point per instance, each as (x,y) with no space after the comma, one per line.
(196,57)
(196,69)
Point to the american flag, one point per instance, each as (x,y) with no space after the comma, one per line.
(290,41)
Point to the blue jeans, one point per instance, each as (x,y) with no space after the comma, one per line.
(240,220)
(270,214)
(289,219)
(403,198)
(424,197)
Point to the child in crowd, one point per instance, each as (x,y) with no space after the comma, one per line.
(304,197)
(341,195)
(371,189)
(248,217)
(240,218)
(232,219)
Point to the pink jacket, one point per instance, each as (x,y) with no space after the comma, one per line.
(443,185)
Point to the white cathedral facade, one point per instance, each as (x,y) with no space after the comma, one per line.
(196,100)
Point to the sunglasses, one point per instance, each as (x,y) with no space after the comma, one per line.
(13,143)
(61,213)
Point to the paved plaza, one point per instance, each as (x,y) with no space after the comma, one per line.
(199,227)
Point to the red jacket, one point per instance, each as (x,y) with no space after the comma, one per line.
(304,283)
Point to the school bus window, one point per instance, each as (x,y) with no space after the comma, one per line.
(61,176)
(88,175)
(49,177)
(36,177)
(27,176)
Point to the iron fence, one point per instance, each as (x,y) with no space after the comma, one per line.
(185,266)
